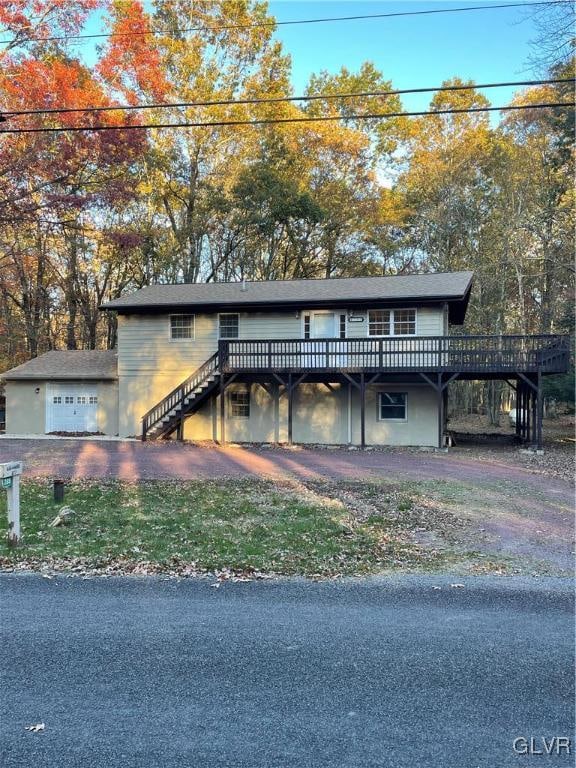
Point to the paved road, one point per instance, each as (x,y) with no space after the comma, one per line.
(135,460)
(142,673)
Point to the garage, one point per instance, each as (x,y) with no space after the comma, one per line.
(71,407)
(64,391)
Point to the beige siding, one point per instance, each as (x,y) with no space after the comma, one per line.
(270,325)
(144,345)
(267,422)
(108,407)
(322,416)
(25,408)
(420,427)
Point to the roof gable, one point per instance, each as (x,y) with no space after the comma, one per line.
(68,364)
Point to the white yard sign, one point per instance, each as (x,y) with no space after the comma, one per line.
(10,481)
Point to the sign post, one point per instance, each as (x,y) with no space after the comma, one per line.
(10,481)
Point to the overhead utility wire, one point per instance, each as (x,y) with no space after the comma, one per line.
(280,99)
(274,24)
(274,120)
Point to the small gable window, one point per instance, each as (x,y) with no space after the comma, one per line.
(181,327)
(229,326)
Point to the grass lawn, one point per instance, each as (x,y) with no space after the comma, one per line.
(244,526)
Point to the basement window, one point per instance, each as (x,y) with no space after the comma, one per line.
(392,406)
(181,327)
(239,401)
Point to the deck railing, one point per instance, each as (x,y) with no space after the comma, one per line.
(498,354)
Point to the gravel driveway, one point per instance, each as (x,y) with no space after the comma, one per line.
(161,460)
(514,510)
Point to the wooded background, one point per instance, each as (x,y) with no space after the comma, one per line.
(87,216)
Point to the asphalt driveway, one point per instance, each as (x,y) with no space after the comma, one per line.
(395,673)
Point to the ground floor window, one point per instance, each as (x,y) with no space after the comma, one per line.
(239,400)
(392,406)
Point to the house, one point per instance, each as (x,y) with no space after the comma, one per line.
(360,361)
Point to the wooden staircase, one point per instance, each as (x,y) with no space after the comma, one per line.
(167,415)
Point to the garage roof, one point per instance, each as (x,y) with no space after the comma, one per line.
(67,364)
(452,287)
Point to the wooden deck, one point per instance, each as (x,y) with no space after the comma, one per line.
(483,355)
(436,361)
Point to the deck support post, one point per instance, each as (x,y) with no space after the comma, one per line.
(518,406)
(539,413)
(533,408)
(440,398)
(523,412)
(528,415)
(180,430)
(290,408)
(362,410)
(525,421)
(349,413)
(222,410)
(276,394)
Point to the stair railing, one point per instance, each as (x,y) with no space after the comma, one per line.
(177,396)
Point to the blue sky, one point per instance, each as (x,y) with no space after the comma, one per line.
(412,51)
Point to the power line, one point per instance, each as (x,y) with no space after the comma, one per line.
(276,120)
(279,99)
(274,24)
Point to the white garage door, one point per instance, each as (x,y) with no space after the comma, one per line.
(72,407)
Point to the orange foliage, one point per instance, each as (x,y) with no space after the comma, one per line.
(131,62)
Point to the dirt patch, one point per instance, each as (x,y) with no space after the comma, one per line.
(496,531)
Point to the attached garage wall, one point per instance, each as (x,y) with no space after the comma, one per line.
(26,408)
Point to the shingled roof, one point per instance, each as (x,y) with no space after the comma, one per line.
(67,364)
(437,286)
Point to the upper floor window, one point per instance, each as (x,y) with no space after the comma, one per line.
(379,322)
(181,327)
(229,326)
(306,326)
(404,322)
(342,327)
(392,322)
